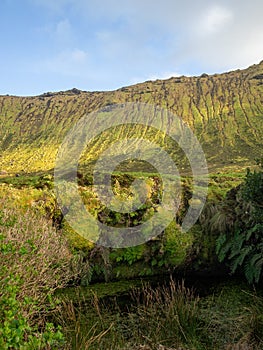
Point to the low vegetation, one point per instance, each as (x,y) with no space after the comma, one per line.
(168,317)
(39,256)
(35,261)
(239,222)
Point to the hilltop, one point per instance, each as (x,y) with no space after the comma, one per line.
(225,111)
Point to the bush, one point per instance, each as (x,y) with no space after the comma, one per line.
(241,244)
(35,261)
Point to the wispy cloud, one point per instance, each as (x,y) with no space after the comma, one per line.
(214,19)
(63,31)
(180,31)
(55,6)
(109,43)
(69,63)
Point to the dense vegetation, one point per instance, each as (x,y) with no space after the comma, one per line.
(36,262)
(40,254)
(240,222)
(34,249)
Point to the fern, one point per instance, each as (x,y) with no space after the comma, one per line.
(240,243)
(258,228)
(253,268)
(223,252)
(237,243)
(133,254)
(220,242)
(258,272)
(249,271)
(238,261)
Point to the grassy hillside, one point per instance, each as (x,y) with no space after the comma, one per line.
(225,112)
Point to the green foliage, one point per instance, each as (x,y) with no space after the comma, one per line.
(168,251)
(35,261)
(253,188)
(16,332)
(39,181)
(130,254)
(176,245)
(242,246)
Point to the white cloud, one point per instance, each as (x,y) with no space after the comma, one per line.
(117,41)
(230,38)
(63,31)
(78,56)
(69,63)
(214,20)
(211,36)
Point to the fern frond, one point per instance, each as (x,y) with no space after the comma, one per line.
(238,261)
(238,241)
(220,242)
(224,251)
(258,228)
(258,266)
(253,268)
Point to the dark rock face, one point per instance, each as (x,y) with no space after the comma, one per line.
(258,76)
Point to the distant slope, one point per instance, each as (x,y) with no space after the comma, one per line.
(225,111)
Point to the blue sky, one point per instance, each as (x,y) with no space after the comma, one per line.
(53,45)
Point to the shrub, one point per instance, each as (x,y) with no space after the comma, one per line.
(241,244)
(35,261)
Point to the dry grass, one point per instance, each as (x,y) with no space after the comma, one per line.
(35,256)
(164,318)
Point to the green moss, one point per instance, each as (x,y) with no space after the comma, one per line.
(76,241)
(177,244)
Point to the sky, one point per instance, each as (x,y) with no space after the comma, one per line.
(54,45)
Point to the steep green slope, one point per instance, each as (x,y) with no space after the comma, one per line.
(225,112)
